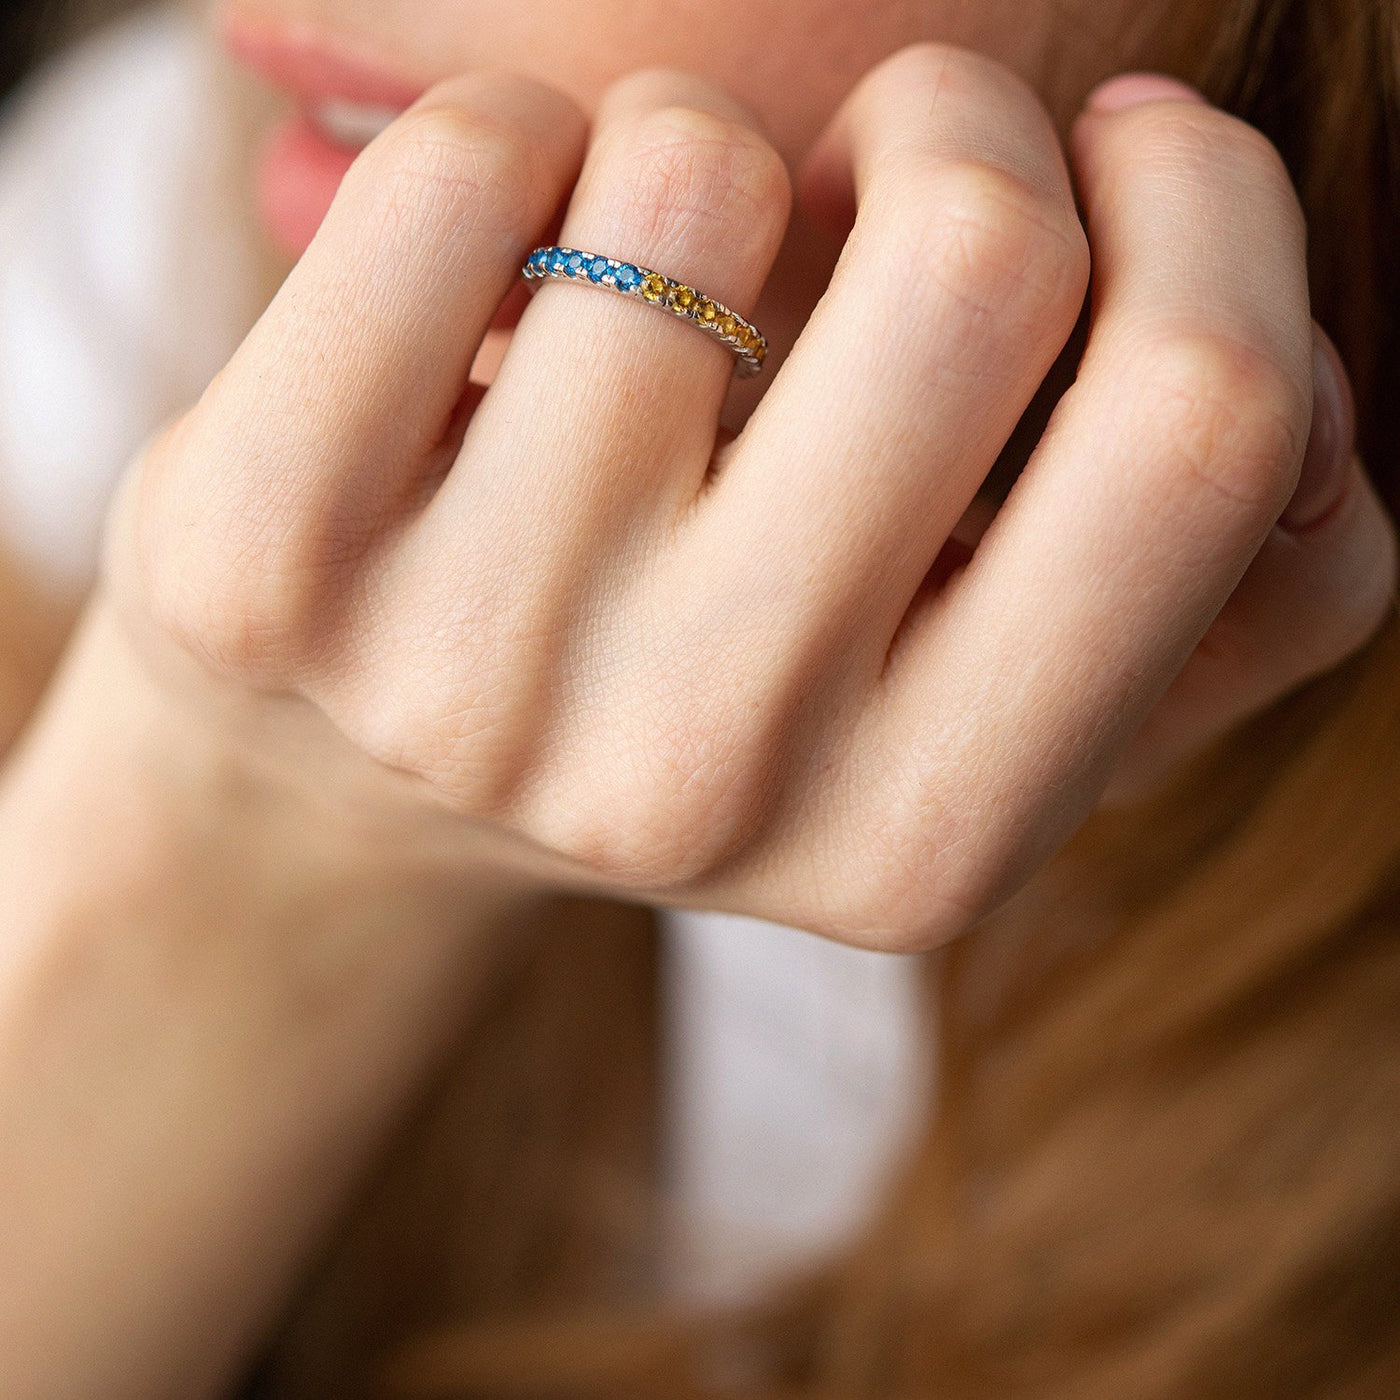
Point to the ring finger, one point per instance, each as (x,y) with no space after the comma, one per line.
(621,399)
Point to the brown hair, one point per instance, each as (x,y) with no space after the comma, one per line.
(1166,1156)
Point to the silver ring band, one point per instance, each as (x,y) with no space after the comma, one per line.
(732,331)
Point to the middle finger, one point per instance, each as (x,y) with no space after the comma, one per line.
(960,284)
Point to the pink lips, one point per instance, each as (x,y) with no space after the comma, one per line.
(301,167)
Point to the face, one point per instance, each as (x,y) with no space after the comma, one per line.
(350,63)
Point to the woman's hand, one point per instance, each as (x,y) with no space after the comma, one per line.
(581,646)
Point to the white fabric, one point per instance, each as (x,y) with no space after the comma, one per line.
(797,1069)
(123,283)
(795,1066)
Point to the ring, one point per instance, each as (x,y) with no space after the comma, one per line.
(711,316)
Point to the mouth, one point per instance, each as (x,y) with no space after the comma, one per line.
(350,124)
(343,98)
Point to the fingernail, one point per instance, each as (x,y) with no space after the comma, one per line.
(1322,480)
(1130,89)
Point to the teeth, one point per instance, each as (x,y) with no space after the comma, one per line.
(351,123)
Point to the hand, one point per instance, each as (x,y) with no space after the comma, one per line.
(1315,593)
(554,627)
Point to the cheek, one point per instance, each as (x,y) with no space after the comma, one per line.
(792,61)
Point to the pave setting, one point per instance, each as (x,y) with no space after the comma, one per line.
(742,338)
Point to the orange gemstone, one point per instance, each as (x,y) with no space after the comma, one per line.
(683,298)
(727,323)
(708,313)
(654,286)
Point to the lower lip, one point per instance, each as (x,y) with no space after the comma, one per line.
(298,174)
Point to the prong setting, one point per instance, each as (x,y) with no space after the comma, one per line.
(741,337)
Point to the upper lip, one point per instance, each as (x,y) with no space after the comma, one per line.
(313,65)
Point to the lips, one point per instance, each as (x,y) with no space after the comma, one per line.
(351,124)
(343,101)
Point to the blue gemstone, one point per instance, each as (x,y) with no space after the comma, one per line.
(575,264)
(537,259)
(628,277)
(597,268)
(556,259)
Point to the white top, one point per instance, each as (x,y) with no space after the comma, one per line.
(795,1067)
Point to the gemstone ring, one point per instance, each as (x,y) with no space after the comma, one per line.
(713,317)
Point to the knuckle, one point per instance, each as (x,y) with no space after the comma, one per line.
(224,604)
(929,862)
(1228,416)
(882,925)
(923,62)
(885,909)
(913,874)
(1195,146)
(223,580)
(1201,136)
(454,706)
(445,163)
(974,231)
(676,799)
(1249,147)
(217,618)
(949,71)
(681,167)
(449,750)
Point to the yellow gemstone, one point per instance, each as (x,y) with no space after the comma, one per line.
(654,286)
(708,313)
(727,324)
(683,298)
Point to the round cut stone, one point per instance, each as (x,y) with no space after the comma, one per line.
(597,269)
(707,312)
(628,278)
(574,264)
(683,298)
(654,287)
(557,259)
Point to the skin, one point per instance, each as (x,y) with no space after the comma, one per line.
(378,661)
(790,88)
